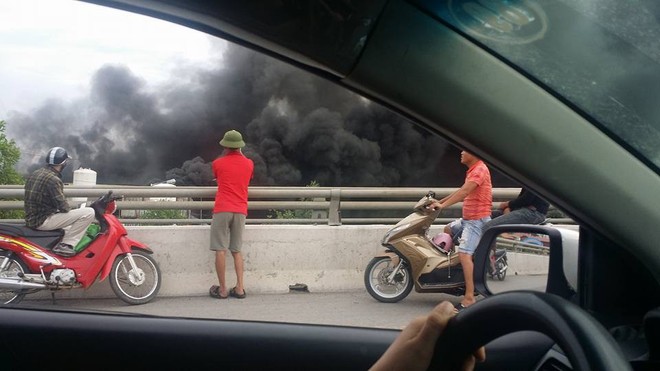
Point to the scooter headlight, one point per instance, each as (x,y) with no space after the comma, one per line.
(393,232)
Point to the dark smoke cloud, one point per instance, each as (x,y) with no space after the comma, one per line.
(195,171)
(299,129)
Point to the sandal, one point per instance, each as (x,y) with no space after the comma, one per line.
(236,295)
(214,292)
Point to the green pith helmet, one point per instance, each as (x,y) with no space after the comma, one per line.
(232,139)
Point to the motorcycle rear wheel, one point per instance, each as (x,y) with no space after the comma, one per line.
(135,286)
(501,271)
(14,267)
(375,280)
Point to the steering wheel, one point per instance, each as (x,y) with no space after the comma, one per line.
(585,342)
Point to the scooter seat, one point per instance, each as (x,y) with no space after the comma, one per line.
(47,239)
(21,230)
(500,252)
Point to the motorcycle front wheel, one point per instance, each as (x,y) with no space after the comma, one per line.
(135,286)
(14,267)
(377,283)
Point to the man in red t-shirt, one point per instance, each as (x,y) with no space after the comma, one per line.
(233,172)
(477,196)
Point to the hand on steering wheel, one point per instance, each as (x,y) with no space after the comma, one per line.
(413,348)
(585,342)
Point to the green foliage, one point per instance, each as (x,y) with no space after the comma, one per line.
(12,214)
(9,156)
(163,214)
(295,214)
(291,214)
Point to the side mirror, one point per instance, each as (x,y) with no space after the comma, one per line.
(527,257)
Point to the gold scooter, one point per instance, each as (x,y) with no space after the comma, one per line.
(413,257)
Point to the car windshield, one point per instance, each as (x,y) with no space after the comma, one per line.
(600,56)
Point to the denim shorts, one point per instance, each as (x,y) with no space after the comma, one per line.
(469,232)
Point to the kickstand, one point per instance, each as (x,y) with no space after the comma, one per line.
(449,265)
(52,295)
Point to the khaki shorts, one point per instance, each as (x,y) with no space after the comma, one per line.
(227,231)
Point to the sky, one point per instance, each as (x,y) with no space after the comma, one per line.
(44,53)
(139,100)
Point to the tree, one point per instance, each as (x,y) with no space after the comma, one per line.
(295,214)
(9,156)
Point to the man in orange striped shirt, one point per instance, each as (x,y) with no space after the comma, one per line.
(477,196)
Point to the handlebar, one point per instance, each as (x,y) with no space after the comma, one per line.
(422,204)
(108,197)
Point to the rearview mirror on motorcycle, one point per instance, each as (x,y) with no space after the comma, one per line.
(527,257)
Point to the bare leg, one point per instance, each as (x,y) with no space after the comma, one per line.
(491,255)
(468,270)
(220,270)
(238,266)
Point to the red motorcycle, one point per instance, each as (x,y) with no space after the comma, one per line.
(28,265)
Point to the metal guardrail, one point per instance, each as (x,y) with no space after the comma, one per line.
(328,202)
(521,246)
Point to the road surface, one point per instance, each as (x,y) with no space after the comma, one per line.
(356,308)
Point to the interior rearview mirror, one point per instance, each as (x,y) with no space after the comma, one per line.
(527,257)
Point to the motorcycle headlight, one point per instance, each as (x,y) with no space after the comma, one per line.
(393,232)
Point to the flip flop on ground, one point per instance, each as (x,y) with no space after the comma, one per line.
(235,294)
(214,292)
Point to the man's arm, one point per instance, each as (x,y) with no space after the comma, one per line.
(450,195)
(457,196)
(56,190)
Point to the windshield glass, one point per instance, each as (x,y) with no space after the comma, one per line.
(140,102)
(601,56)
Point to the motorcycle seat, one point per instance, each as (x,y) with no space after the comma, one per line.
(500,252)
(21,230)
(47,239)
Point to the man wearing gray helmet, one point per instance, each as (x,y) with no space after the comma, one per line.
(46,208)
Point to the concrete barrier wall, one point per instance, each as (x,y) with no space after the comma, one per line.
(322,257)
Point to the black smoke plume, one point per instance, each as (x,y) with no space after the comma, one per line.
(299,129)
